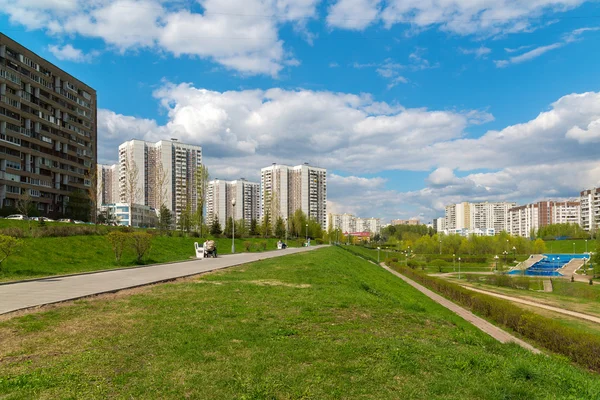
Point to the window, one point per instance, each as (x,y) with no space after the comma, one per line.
(13,165)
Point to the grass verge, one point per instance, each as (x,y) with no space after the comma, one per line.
(323,325)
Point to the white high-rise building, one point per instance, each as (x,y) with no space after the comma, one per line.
(590,209)
(478,217)
(371,225)
(219,201)
(285,189)
(527,219)
(348,223)
(171,163)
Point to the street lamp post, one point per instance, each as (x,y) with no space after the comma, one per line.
(379,248)
(306,235)
(505,256)
(440,247)
(286,229)
(458,267)
(586,245)
(573,248)
(514,253)
(233,228)
(496,259)
(453,262)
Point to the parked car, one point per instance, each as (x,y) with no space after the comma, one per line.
(64,220)
(16,216)
(78,222)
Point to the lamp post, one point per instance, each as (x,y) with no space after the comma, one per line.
(286,229)
(573,248)
(458,267)
(233,228)
(379,248)
(586,245)
(453,262)
(505,256)
(514,253)
(507,245)
(496,259)
(440,247)
(306,235)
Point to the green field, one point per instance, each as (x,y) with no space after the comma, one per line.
(322,325)
(566,246)
(66,255)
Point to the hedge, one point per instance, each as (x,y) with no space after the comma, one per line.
(580,346)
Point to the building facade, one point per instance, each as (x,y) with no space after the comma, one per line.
(527,219)
(412,221)
(138,216)
(219,201)
(166,174)
(285,189)
(48,135)
(478,217)
(590,209)
(439,224)
(108,184)
(348,223)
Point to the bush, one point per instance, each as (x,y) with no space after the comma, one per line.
(440,264)
(14,232)
(141,243)
(247,245)
(263,245)
(118,240)
(8,245)
(65,230)
(580,346)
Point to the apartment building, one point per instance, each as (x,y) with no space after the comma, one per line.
(372,225)
(285,189)
(527,219)
(412,221)
(439,224)
(138,216)
(219,201)
(478,217)
(344,222)
(590,209)
(108,184)
(48,135)
(166,174)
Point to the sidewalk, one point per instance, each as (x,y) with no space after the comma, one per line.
(492,330)
(22,295)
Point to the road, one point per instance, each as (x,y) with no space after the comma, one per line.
(23,295)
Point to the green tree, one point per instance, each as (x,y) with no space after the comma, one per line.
(8,245)
(185,219)
(266,228)
(241,229)
(202,177)
(215,226)
(228,227)
(165,219)
(79,205)
(254,227)
(279,228)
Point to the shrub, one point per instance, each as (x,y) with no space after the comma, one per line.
(580,346)
(65,230)
(14,232)
(440,264)
(118,240)
(8,245)
(263,245)
(247,245)
(141,243)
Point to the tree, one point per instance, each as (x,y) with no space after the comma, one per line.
(159,184)
(141,243)
(241,230)
(25,205)
(8,245)
(132,192)
(279,228)
(118,241)
(93,192)
(215,226)
(185,219)
(165,219)
(228,227)
(79,205)
(202,177)
(253,227)
(266,228)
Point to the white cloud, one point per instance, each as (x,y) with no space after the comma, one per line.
(70,53)
(480,52)
(463,17)
(242,35)
(591,134)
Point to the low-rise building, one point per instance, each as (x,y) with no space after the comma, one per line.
(141,216)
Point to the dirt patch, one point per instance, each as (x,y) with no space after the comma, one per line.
(263,282)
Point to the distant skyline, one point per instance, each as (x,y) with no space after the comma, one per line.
(410,105)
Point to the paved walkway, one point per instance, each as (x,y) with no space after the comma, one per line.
(22,295)
(492,330)
(539,305)
(547,285)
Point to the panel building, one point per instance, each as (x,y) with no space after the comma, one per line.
(527,219)
(590,209)
(478,218)
(348,223)
(166,174)
(48,136)
(108,184)
(219,201)
(285,189)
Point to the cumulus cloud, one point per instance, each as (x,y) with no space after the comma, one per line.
(242,35)
(479,52)
(242,131)
(70,53)
(463,17)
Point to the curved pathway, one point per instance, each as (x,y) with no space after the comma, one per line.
(39,292)
(492,330)
(539,305)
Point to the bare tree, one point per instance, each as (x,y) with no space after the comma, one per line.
(93,192)
(202,177)
(160,185)
(24,204)
(132,192)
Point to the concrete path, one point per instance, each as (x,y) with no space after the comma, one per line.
(539,305)
(523,265)
(571,267)
(548,285)
(492,330)
(22,295)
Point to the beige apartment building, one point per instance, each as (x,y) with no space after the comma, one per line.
(48,137)
(590,209)
(490,218)
(527,219)
(285,189)
(219,201)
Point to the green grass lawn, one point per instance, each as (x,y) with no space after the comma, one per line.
(322,325)
(66,255)
(566,246)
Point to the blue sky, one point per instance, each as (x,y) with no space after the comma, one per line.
(410,104)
